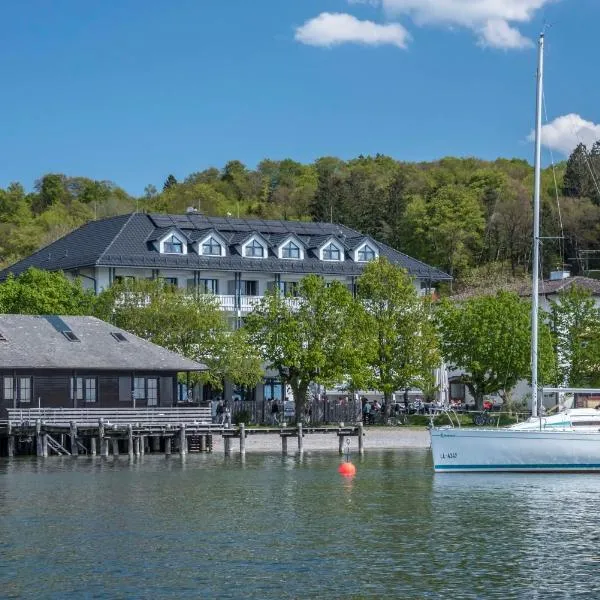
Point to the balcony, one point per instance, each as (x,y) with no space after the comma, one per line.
(247,303)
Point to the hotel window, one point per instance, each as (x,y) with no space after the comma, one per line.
(170,281)
(173,245)
(365,254)
(331,252)
(290,250)
(8,389)
(77,388)
(289,288)
(254,249)
(249,288)
(84,389)
(152,391)
(211,247)
(208,286)
(24,389)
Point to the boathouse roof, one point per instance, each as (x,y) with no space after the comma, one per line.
(81,343)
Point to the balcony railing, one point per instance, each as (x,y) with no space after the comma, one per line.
(246,303)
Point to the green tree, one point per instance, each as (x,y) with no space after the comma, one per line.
(575,321)
(37,292)
(489,338)
(311,338)
(400,341)
(170,182)
(194,326)
(578,181)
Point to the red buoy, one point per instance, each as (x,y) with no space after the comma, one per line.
(347,469)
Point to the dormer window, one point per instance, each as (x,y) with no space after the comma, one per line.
(331,252)
(173,245)
(290,250)
(254,249)
(211,247)
(366,254)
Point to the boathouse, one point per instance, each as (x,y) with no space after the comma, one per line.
(83,362)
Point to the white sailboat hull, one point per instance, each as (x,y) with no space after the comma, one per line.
(479,450)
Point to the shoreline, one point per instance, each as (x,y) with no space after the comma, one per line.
(375,438)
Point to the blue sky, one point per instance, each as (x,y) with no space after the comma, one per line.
(132,90)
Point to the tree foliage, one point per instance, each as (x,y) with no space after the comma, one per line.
(489,337)
(307,339)
(37,292)
(399,343)
(575,321)
(193,326)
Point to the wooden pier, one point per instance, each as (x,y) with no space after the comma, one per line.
(93,431)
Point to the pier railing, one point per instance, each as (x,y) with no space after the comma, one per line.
(111,416)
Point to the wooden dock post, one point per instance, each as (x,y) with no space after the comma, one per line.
(73,436)
(136,445)
(93,451)
(45,445)
(341,439)
(11,446)
(142,445)
(300,438)
(155,443)
(243,439)
(38,438)
(115,446)
(361,444)
(182,440)
(203,439)
(130,440)
(284,449)
(167,446)
(103,440)
(227,445)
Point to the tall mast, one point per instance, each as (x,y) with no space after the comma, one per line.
(536,232)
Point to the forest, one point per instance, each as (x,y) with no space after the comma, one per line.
(470,217)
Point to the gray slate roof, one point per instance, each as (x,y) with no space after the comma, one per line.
(125,241)
(35,342)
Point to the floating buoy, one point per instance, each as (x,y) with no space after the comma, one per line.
(347,469)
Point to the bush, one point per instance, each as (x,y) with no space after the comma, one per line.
(243,416)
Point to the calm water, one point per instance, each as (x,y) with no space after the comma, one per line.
(274,527)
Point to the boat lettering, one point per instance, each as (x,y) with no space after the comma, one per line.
(445,435)
(448,455)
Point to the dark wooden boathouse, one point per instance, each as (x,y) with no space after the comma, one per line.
(77,362)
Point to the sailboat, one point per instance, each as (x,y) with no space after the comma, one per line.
(566,441)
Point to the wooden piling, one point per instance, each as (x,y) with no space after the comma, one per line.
(45,445)
(182,440)
(130,440)
(115,446)
(142,445)
(93,446)
(284,448)
(136,445)
(341,439)
(227,445)
(167,446)
(155,443)
(38,438)
(242,439)
(73,436)
(11,446)
(203,439)
(361,447)
(300,438)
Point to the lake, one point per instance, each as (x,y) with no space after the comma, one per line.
(208,526)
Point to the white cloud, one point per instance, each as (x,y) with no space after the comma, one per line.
(492,20)
(497,33)
(566,132)
(333,29)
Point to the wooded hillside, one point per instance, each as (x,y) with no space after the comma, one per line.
(469,217)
